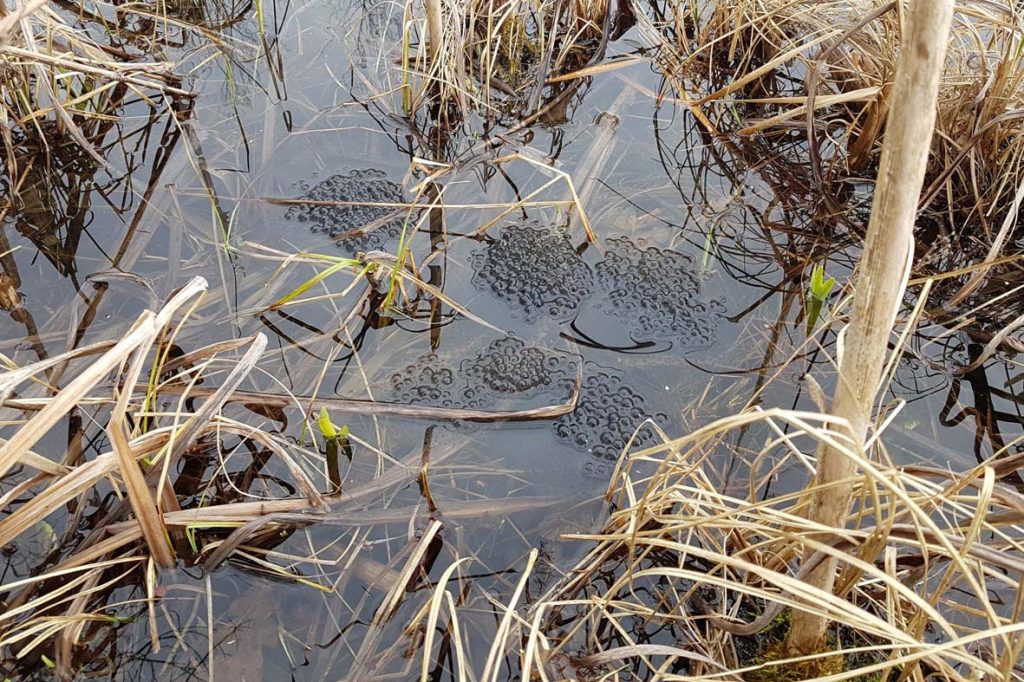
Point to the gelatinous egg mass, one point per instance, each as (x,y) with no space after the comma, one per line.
(358,200)
(505,368)
(658,292)
(608,413)
(535,269)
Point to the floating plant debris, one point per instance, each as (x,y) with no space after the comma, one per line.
(362,187)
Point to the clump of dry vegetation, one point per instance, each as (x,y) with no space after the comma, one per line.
(498,56)
(823,72)
(691,579)
(58,77)
(68,71)
(691,575)
(196,470)
(826,70)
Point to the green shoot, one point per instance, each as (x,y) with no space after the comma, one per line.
(339,265)
(191,528)
(406,49)
(820,287)
(817,294)
(52,542)
(709,247)
(337,443)
(329,429)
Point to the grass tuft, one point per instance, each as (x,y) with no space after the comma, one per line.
(686,573)
(823,72)
(497,56)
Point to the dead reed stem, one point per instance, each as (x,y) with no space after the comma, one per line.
(884,269)
(715,570)
(435,29)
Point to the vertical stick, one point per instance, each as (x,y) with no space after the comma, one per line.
(435,29)
(880,288)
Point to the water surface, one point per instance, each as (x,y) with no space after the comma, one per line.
(687,307)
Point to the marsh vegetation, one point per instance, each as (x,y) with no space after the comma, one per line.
(491,340)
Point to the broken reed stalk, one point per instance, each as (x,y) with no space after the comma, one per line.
(435,29)
(888,251)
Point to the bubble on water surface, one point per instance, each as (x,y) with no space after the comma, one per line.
(365,187)
(535,269)
(606,416)
(658,292)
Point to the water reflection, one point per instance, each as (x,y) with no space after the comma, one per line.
(81,218)
(689,305)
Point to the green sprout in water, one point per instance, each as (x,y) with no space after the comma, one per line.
(337,441)
(817,294)
(337,264)
(328,429)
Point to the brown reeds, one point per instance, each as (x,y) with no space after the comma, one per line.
(883,271)
(497,56)
(689,581)
(825,71)
(155,417)
(55,71)
(688,578)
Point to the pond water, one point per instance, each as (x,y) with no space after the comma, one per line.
(686,307)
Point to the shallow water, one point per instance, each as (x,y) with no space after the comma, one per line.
(684,307)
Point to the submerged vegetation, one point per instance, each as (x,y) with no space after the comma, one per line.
(289,474)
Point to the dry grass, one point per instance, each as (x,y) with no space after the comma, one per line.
(496,56)
(67,70)
(932,561)
(154,416)
(932,568)
(783,65)
(688,580)
(54,71)
(823,71)
(159,409)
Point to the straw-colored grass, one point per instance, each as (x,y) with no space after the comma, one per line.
(155,412)
(496,55)
(67,70)
(51,70)
(824,71)
(734,56)
(689,579)
(880,287)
